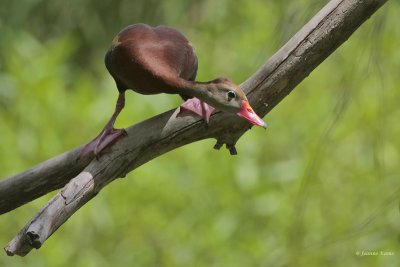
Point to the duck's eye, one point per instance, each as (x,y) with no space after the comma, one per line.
(231,95)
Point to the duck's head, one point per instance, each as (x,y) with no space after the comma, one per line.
(224,95)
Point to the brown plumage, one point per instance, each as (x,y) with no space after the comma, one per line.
(157,60)
(151,60)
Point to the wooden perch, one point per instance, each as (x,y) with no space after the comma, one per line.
(151,138)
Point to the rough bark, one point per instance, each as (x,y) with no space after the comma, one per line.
(151,138)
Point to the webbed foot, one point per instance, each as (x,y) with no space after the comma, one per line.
(198,107)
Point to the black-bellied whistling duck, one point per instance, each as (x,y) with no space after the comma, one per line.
(161,60)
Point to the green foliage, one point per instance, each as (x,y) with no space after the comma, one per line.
(319,185)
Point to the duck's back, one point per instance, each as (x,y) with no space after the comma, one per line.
(151,60)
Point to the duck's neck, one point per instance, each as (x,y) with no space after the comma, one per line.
(200,90)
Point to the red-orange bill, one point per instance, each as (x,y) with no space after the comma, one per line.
(248,113)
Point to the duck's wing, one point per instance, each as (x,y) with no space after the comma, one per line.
(151,60)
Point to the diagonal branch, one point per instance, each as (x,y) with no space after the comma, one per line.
(160,134)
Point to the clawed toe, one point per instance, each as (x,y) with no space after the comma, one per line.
(105,139)
(198,107)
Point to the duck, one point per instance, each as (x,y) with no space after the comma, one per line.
(154,60)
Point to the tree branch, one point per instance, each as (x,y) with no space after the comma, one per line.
(160,134)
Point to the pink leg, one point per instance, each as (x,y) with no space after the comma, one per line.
(108,136)
(198,107)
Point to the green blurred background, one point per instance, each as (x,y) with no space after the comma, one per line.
(319,185)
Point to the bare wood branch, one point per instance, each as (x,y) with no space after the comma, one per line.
(40,180)
(158,135)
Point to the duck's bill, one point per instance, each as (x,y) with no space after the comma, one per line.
(248,113)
